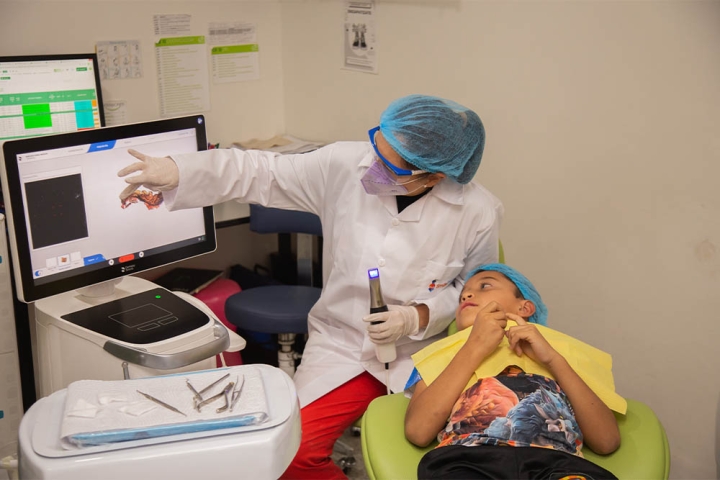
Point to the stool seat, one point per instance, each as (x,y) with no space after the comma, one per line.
(272,309)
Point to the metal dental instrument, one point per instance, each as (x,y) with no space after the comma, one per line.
(197,398)
(236,392)
(160,402)
(224,392)
(213,384)
(227,401)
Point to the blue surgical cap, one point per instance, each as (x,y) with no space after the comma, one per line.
(527,289)
(435,135)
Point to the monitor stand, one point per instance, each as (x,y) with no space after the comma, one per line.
(129,329)
(100,290)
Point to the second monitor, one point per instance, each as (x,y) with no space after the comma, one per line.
(46,94)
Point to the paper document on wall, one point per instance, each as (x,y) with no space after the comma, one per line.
(236,54)
(360,42)
(172,25)
(119,59)
(231,33)
(183,82)
(235,63)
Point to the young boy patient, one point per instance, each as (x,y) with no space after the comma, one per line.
(512,408)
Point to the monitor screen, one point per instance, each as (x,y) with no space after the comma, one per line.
(46,94)
(68,226)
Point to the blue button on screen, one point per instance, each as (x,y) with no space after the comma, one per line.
(93,259)
(96,147)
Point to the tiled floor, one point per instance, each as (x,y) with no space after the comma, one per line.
(351,441)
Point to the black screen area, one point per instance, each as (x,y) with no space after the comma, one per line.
(56,207)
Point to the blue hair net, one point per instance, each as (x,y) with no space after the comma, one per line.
(527,289)
(435,135)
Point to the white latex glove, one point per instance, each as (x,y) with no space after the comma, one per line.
(398,321)
(156,173)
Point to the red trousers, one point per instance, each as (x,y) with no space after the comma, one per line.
(324,421)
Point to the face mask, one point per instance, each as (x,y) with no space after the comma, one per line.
(379,180)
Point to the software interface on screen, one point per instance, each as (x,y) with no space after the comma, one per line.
(75,218)
(41,97)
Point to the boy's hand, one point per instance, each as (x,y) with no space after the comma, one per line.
(525,338)
(489,327)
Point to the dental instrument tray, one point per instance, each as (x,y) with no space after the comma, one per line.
(94,416)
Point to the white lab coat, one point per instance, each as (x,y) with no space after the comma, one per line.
(423,253)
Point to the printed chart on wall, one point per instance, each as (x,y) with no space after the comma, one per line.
(183,81)
(360,42)
(119,59)
(235,53)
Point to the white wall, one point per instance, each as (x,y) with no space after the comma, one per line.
(602,142)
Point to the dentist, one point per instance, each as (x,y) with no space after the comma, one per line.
(403,202)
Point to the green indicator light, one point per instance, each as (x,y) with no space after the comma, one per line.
(157,296)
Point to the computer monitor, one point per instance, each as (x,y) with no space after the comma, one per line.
(46,94)
(68,227)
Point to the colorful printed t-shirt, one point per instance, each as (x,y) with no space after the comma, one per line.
(513,408)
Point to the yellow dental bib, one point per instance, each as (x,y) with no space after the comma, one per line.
(593,365)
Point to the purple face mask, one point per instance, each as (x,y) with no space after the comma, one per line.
(379,180)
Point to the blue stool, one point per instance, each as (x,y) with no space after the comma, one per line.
(280,309)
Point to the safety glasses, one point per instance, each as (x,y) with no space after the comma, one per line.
(396,170)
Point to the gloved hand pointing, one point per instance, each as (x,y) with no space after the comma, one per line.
(156,173)
(398,321)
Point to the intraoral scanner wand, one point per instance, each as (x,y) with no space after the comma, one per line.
(385,352)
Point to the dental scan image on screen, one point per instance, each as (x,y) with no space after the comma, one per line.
(75,217)
(69,226)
